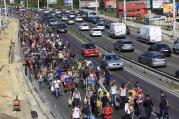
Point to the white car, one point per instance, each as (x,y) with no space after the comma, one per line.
(64,18)
(70,22)
(78,19)
(95,32)
(101,26)
(84,26)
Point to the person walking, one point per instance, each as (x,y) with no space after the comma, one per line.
(107,76)
(148,106)
(113,93)
(163,106)
(107,112)
(122,94)
(57,84)
(76,98)
(76,112)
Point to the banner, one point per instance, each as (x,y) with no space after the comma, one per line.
(52,1)
(67,1)
(110,4)
(167,8)
(89,4)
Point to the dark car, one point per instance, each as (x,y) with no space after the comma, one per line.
(58,15)
(162,48)
(95,20)
(61,28)
(124,45)
(107,24)
(177,73)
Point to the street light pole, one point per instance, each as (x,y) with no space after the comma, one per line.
(38,5)
(79,4)
(47,4)
(96,7)
(5,7)
(124,10)
(27,4)
(72,5)
(174,19)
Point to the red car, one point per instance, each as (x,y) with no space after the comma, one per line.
(89,50)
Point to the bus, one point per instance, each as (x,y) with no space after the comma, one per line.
(88,13)
(133,8)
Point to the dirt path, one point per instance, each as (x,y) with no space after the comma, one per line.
(10,77)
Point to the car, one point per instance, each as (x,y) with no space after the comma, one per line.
(153,59)
(107,24)
(71,16)
(94,20)
(177,73)
(95,32)
(176,46)
(64,18)
(61,28)
(101,21)
(162,48)
(78,19)
(124,45)
(111,61)
(53,22)
(101,26)
(84,26)
(89,49)
(70,22)
(58,15)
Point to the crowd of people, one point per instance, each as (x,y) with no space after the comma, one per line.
(55,65)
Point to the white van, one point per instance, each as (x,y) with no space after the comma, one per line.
(150,34)
(117,30)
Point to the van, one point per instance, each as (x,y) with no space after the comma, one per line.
(117,30)
(150,34)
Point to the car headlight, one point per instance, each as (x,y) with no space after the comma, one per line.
(121,63)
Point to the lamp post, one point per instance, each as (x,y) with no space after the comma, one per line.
(5,5)
(96,6)
(47,4)
(174,19)
(38,5)
(124,10)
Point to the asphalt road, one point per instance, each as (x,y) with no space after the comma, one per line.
(173,61)
(121,76)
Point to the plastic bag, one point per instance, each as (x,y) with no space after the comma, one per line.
(52,89)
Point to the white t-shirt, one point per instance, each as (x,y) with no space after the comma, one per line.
(123,92)
(76,113)
(57,83)
(113,90)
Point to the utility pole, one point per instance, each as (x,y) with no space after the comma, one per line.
(79,4)
(5,5)
(27,4)
(38,5)
(47,4)
(96,6)
(71,4)
(125,10)
(174,19)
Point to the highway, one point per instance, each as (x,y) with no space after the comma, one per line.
(121,76)
(173,61)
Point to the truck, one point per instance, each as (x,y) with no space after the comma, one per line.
(117,30)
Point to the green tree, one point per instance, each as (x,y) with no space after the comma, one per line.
(101,4)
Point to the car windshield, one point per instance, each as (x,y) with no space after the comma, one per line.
(163,46)
(127,42)
(111,57)
(52,20)
(100,24)
(96,30)
(62,25)
(157,56)
(90,46)
(84,24)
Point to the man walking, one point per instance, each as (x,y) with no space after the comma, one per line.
(148,106)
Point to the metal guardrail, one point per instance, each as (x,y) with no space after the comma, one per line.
(169,77)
